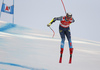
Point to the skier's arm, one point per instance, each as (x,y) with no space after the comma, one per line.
(53,20)
(72,21)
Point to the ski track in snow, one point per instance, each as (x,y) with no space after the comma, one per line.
(43,37)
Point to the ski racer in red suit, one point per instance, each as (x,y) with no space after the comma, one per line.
(64,30)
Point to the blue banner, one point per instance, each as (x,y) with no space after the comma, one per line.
(7,9)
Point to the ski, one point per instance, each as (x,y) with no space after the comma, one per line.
(61,53)
(60,61)
(70,59)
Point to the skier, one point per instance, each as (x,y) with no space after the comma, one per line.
(64,30)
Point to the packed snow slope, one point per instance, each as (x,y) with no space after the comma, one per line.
(22,48)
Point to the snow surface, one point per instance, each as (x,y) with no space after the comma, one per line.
(22,48)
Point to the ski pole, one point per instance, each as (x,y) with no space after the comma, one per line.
(63,6)
(53,32)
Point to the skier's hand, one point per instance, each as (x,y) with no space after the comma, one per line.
(49,25)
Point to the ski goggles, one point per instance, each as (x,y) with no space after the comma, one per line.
(69,16)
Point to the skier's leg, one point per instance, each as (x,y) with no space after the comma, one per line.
(61,50)
(70,43)
(62,45)
(62,35)
(68,35)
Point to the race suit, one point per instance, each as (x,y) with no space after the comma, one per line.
(64,29)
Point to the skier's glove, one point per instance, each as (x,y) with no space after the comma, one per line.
(49,24)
